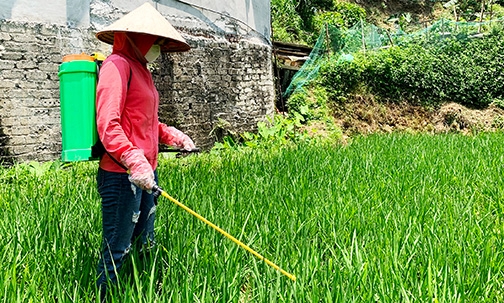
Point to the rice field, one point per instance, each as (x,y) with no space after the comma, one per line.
(386,218)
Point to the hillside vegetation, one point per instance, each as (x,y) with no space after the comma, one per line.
(453,70)
(300,21)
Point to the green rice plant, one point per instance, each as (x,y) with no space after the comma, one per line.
(385,218)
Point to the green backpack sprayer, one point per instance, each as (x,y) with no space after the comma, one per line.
(78,78)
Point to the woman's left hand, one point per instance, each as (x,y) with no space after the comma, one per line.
(171,136)
(188,144)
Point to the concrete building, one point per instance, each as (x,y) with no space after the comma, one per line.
(225,79)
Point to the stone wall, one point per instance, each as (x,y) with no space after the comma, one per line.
(216,88)
(220,79)
(30,55)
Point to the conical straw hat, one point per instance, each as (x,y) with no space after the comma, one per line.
(147,20)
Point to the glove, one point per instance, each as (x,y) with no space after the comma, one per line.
(187,143)
(141,173)
(174,137)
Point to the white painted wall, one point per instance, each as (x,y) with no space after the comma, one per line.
(74,13)
(242,17)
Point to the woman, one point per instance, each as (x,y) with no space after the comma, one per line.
(127,122)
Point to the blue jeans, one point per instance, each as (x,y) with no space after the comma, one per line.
(128,215)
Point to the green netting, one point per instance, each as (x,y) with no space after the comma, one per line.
(336,44)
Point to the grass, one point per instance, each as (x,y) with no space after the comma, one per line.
(387,218)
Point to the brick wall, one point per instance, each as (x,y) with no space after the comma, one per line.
(216,82)
(219,78)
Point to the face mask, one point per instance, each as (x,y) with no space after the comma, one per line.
(153,53)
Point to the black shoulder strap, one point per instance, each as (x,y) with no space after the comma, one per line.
(129,79)
(116,162)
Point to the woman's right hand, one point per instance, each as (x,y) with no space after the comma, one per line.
(140,170)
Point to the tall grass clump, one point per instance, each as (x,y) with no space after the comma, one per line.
(386,218)
(49,232)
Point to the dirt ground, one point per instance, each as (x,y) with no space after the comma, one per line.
(365,116)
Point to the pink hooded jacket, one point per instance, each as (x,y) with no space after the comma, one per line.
(127,104)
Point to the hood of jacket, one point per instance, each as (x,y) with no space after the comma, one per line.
(133,45)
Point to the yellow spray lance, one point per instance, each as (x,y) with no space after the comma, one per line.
(158,191)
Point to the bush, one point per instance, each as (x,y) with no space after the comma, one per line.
(469,72)
(401,74)
(280,131)
(341,78)
(351,13)
(331,18)
(286,23)
(310,104)
(301,21)
(342,15)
